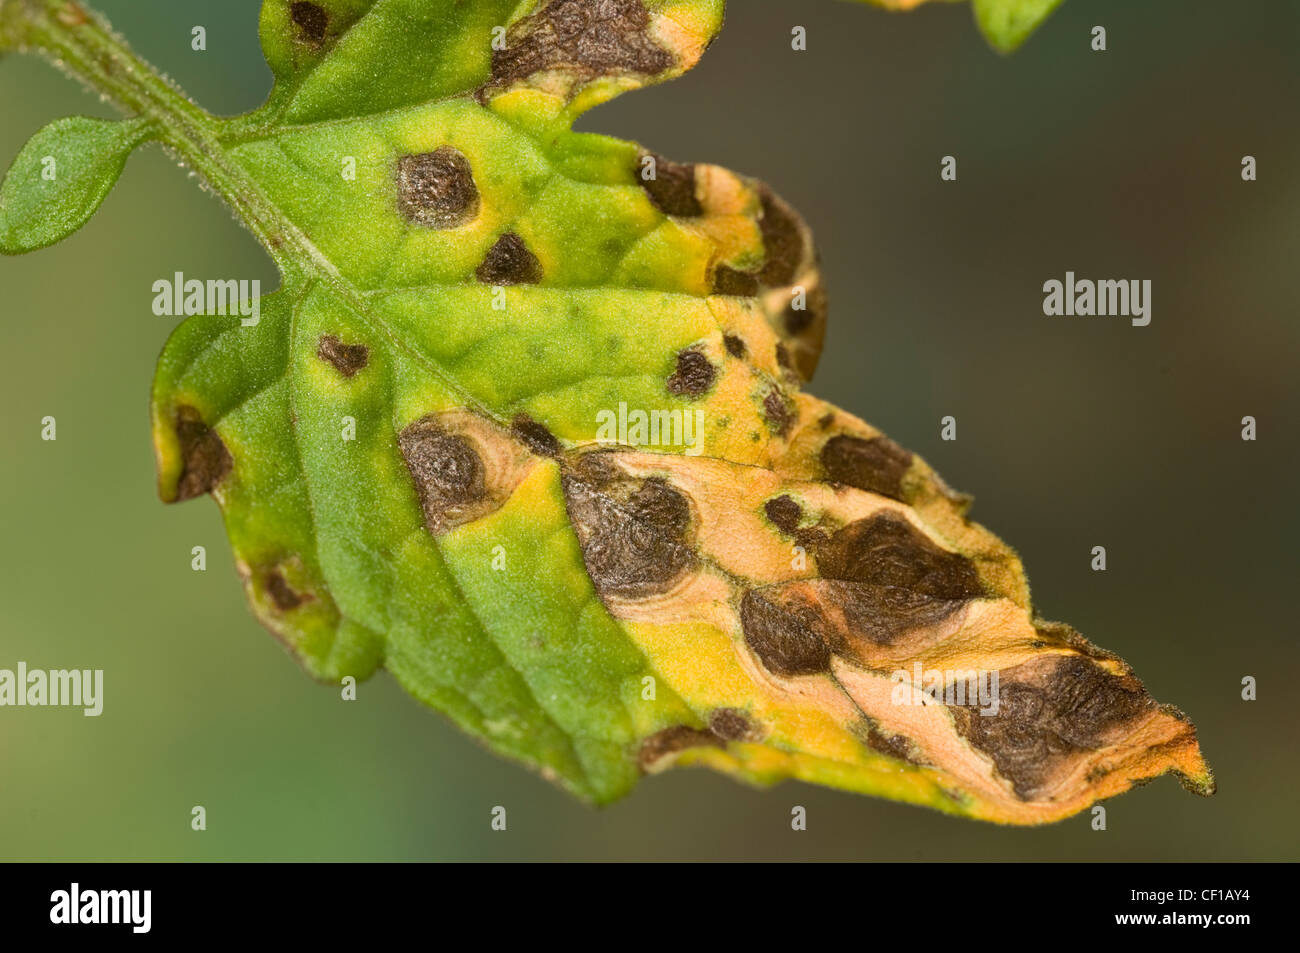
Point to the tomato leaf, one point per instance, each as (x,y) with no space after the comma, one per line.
(525,425)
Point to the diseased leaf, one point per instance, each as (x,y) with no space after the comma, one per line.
(525,426)
(60,177)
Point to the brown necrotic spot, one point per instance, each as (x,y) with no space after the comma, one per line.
(784,513)
(885,614)
(436,189)
(778,412)
(729,281)
(447,470)
(535,436)
(672,740)
(346,358)
(311,20)
(783,241)
(672,189)
(730,724)
(735,346)
(895,746)
(693,376)
(877,465)
(205,461)
(886,550)
(509,262)
(283,596)
(581,37)
(1050,713)
(635,533)
(787,640)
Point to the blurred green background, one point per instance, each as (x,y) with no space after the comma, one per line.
(1071,433)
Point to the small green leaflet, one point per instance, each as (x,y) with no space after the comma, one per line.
(60,178)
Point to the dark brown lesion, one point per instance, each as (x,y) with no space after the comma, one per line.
(892,745)
(535,436)
(886,550)
(694,374)
(670,741)
(778,412)
(311,21)
(729,281)
(283,596)
(436,189)
(784,241)
(877,465)
(788,640)
(1051,713)
(347,359)
(672,190)
(732,724)
(586,39)
(882,615)
(735,345)
(447,469)
(636,534)
(205,461)
(509,262)
(784,513)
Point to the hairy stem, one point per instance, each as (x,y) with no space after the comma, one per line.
(79,42)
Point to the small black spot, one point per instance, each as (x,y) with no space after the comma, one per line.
(783,241)
(778,412)
(783,357)
(205,461)
(694,374)
(886,550)
(634,534)
(784,513)
(346,358)
(672,190)
(672,740)
(587,39)
(877,465)
(730,724)
(729,281)
(787,641)
(448,472)
(436,189)
(825,421)
(735,345)
(535,436)
(509,262)
(283,595)
(310,19)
